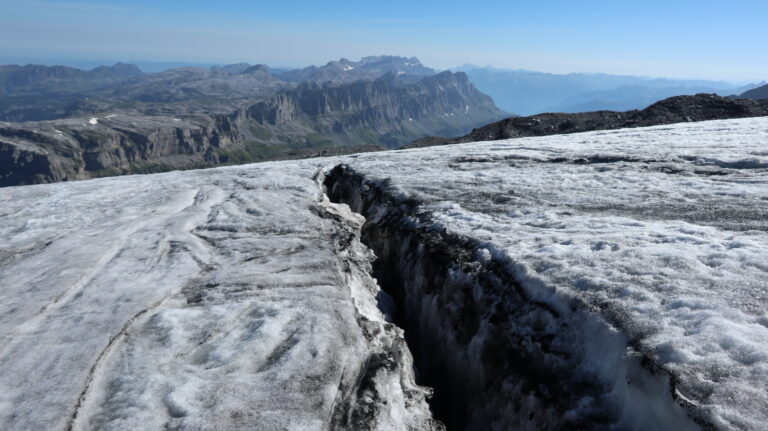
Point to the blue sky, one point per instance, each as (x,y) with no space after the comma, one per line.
(675,38)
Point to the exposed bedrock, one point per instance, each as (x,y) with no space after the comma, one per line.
(79,151)
(678,109)
(500,350)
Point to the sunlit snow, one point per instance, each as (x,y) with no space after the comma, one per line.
(198,300)
(662,230)
(224,297)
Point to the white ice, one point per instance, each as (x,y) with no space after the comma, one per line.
(221,298)
(663,231)
(211,299)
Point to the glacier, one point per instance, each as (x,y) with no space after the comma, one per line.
(602,280)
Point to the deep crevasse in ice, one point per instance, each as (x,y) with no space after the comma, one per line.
(662,232)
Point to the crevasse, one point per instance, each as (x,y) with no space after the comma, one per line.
(500,349)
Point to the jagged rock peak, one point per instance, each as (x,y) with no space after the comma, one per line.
(368,68)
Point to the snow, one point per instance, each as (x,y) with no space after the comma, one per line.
(223,298)
(199,299)
(662,231)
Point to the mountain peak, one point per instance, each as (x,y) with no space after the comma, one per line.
(368,68)
(756,93)
(257,69)
(233,69)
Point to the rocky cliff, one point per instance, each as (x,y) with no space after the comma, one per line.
(386,111)
(308,121)
(65,150)
(345,71)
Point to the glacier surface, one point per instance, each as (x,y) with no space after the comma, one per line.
(240,297)
(224,299)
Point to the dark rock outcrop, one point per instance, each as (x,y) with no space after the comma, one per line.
(700,107)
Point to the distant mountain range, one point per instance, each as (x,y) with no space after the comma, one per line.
(34,79)
(756,93)
(36,93)
(526,92)
(60,123)
(308,120)
(366,69)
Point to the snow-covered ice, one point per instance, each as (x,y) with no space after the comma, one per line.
(218,299)
(239,297)
(662,231)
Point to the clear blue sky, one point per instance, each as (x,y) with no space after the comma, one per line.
(677,38)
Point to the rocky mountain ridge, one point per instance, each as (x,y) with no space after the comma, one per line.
(310,120)
(677,109)
(37,93)
(383,112)
(756,93)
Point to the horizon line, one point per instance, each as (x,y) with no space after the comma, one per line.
(92,64)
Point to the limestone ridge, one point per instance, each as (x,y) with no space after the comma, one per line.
(679,109)
(312,119)
(385,111)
